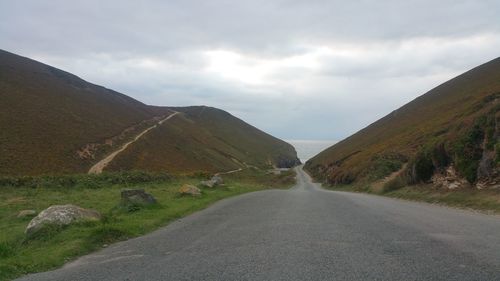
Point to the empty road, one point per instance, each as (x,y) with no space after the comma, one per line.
(304,233)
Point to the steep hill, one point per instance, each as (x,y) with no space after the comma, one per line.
(209,139)
(53,122)
(449,136)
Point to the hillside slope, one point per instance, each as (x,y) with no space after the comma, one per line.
(207,139)
(52,122)
(449,136)
(47,115)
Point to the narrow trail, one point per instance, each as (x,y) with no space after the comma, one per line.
(246,166)
(99,166)
(229,172)
(379,185)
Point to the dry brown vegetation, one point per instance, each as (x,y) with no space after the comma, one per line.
(455,123)
(52,122)
(205,139)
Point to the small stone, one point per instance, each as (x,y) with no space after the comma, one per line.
(213,182)
(191,190)
(26,213)
(209,183)
(217,180)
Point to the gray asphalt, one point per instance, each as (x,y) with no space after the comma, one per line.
(305,233)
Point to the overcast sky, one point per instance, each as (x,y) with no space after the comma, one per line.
(296,69)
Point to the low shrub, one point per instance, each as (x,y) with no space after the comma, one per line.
(384,165)
(85,180)
(468,151)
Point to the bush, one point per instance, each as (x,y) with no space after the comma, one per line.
(468,152)
(424,167)
(384,165)
(85,180)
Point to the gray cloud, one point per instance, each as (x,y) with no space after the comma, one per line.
(297,69)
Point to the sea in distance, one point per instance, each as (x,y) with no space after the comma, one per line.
(306,149)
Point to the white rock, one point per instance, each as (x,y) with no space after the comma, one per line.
(61,215)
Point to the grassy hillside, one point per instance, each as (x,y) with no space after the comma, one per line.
(53,122)
(452,129)
(205,139)
(48,115)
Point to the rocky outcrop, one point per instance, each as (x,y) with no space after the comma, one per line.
(189,190)
(449,179)
(137,196)
(287,162)
(61,215)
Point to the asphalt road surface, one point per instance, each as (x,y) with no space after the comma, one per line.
(304,233)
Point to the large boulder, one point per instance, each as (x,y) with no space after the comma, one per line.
(137,196)
(61,215)
(189,190)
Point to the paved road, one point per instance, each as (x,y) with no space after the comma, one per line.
(305,234)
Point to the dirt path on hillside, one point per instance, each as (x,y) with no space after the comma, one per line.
(99,166)
(379,185)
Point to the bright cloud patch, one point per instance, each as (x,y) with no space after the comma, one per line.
(297,69)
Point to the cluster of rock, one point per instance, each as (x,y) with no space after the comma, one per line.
(192,190)
(62,215)
(449,179)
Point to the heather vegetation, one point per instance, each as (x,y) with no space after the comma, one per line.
(206,139)
(53,122)
(454,125)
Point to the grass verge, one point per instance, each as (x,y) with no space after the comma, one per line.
(481,200)
(53,247)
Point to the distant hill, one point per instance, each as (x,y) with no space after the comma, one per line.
(450,135)
(52,122)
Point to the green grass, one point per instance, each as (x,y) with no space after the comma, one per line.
(481,200)
(51,248)
(486,200)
